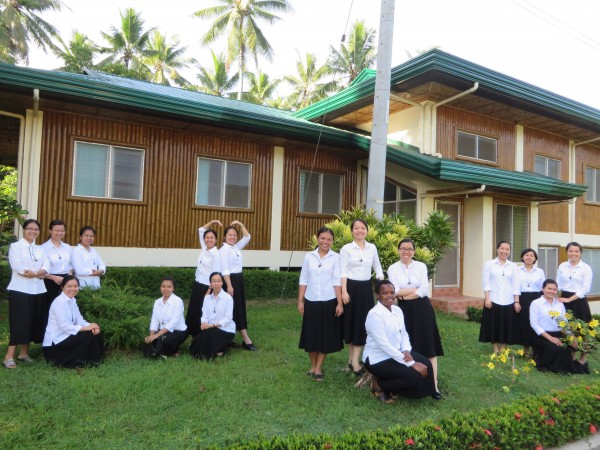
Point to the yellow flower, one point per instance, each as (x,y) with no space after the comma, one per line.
(526,369)
(491,366)
(571,338)
(568,316)
(562,324)
(515,371)
(520,352)
(593,333)
(503,358)
(554,313)
(594,323)
(506,389)
(580,338)
(532,362)
(493,356)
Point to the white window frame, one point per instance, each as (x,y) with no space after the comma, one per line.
(318,178)
(109,180)
(546,162)
(478,137)
(592,184)
(223,187)
(400,193)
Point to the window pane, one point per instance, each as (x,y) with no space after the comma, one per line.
(503,223)
(210,182)
(389,195)
(309,191)
(540,165)
(332,194)
(487,149)
(91,164)
(467,145)
(447,271)
(591,256)
(237,188)
(520,230)
(588,181)
(548,261)
(554,168)
(408,209)
(127,173)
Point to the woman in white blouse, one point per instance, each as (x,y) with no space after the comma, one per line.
(209,261)
(501,288)
(167,325)
(320,303)
(217,328)
(27,311)
(411,283)
(358,259)
(388,355)
(575,281)
(232,265)
(87,263)
(71,341)
(531,279)
(550,354)
(59,257)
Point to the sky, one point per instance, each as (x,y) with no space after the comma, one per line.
(551,44)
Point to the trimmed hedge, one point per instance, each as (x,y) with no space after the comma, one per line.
(533,423)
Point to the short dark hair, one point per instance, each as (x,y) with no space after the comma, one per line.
(210,230)
(30,221)
(169,278)
(325,230)
(86,228)
(226,230)
(575,244)
(381,283)
(548,281)
(68,278)
(527,250)
(502,242)
(405,240)
(358,220)
(56,222)
(216,273)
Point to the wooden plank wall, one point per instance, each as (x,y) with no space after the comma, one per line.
(587,216)
(167,216)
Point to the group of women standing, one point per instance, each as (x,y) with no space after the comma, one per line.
(518,299)
(40,274)
(335,298)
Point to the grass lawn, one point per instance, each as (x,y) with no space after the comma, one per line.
(131,402)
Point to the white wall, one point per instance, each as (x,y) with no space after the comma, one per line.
(477,242)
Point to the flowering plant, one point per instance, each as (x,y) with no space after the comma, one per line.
(576,333)
(507,366)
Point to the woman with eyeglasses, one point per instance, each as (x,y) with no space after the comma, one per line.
(411,284)
(27,311)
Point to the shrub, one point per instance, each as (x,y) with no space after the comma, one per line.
(474,314)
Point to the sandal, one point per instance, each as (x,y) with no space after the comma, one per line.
(318,377)
(360,372)
(381,394)
(10,364)
(310,374)
(26,358)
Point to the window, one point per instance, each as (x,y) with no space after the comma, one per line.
(320,192)
(591,256)
(223,183)
(547,166)
(405,201)
(477,147)
(107,171)
(592,181)
(512,225)
(548,261)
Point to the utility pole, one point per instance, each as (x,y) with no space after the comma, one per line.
(381,110)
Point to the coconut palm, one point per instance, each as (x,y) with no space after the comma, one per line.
(22,24)
(166,59)
(358,54)
(78,54)
(216,80)
(261,88)
(237,20)
(129,43)
(311,84)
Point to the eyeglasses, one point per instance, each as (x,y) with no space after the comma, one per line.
(404,249)
(32,229)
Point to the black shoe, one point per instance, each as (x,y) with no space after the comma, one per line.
(436,396)
(234,344)
(250,347)
(360,372)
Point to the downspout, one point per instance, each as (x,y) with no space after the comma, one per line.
(434,116)
(28,157)
(572,161)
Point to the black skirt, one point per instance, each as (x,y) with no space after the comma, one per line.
(82,349)
(421,326)
(321,330)
(554,358)
(500,325)
(53,290)
(166,345)
(527,333)
(239,301)
(210,342)
(194,311)
(27,317)
(355,312)
(580,307)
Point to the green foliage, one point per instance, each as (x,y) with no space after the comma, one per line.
(432,238)
(10,210)
(122,314)
(474,314)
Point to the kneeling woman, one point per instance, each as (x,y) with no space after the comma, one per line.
(388,356)
(548,350)
(217,328)
(167,326)
(71,341)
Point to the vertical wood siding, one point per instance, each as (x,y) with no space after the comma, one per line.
(451,120)
(297,227)
(587,215)
(167,217)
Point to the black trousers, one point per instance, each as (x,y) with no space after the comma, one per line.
(166,345)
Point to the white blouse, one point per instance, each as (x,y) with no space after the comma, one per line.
(531,281)
(64,320)
(413,276)
(320,276)
(84,262)
(502,281)
(231,256)
(356,263)
(219,310)
(209,261)
(168,315)
(540,318)
(577,279)
(59,257)
(386,335)
(25,256)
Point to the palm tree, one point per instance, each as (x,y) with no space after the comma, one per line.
(165,60)
(358,54)
(216,81)
(311,84)
(22,24)
(129,43)
(261,88)
(78,54)
(237,19)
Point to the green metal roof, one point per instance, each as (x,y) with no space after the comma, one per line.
(234,114)
(437,60)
